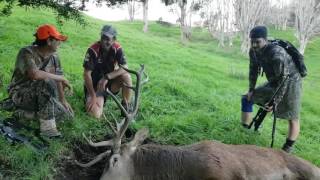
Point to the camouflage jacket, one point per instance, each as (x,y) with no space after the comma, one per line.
(28,58)
(276,63)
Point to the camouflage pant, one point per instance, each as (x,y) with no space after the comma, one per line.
(40,97)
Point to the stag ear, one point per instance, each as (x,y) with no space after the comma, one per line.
(139,137)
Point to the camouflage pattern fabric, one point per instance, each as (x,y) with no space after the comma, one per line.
(274,61)
(27,59)
(40,96)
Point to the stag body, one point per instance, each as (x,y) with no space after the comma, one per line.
(208,160)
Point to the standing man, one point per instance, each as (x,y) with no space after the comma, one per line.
(102,70)
(37,85)
(278,66)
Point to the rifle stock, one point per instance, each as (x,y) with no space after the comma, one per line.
(261,114)
(258,119)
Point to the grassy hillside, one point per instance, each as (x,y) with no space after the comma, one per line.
(193,94)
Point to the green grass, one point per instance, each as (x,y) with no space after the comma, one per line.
(193,94)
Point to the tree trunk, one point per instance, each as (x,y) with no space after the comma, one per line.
(220,19)
(131,10)
(250,13)
(222,40)
(245,45)
(145,15)
(307,21)
(183,24)
(303,45)
(284,25)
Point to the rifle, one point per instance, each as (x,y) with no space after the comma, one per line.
(262,112)
(12,137)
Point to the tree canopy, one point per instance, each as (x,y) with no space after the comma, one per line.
(67,9)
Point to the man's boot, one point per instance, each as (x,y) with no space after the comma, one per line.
(48,128)
(288,146)
(287,149)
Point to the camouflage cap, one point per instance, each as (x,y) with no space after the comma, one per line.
(108,30)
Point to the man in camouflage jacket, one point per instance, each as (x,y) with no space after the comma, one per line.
(37,85)
(278,66)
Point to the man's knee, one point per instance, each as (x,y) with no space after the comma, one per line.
(126,77)
(246,106)
(294,122)
(96,110)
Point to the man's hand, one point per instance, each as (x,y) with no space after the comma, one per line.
(67,106)
(91,103)
(65,83)
(268,108)
(249,95)
(102,85)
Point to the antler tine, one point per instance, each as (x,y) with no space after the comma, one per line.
(137,92)
(120,128)
(95,160)
(128,115)
(121,123)
(146,79)
(138,74)
(98,144)
(117,102)
(132,71)
(109,124)
(127,86)
(118,125)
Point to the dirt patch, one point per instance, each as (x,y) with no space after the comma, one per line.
(68,170)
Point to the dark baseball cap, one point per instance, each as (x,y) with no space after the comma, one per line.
(108,30)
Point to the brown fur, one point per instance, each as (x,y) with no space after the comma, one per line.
(209,160)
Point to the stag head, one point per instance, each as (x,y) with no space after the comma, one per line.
(118,165)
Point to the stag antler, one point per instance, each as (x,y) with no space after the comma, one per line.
(119,128)
(95,160)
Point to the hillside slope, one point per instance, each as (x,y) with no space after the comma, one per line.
(193,94)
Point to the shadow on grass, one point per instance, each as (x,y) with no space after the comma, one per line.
(5,168)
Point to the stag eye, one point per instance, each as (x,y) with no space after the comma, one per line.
(115,160)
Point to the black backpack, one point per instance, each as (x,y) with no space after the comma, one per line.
(297,57)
